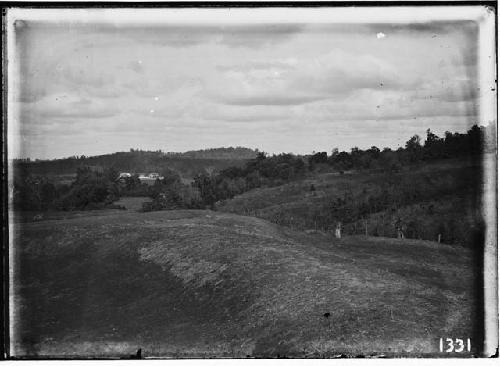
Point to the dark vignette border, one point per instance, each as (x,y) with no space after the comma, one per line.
(241,4)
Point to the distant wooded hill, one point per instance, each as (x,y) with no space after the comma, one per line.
(187,164)
(219,153)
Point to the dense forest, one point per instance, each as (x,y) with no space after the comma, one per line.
(394,185)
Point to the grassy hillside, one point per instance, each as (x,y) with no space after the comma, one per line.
(208,284)
(431,199)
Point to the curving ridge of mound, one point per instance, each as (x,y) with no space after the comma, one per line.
(208,284)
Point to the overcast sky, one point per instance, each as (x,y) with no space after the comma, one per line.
(93,89)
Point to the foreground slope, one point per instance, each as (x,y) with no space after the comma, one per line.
(207,284)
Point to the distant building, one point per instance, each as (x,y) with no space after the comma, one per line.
(122,178)
(149,179)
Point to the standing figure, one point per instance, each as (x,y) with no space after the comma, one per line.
(338,230)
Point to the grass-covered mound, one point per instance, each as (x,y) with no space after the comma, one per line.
(207,284)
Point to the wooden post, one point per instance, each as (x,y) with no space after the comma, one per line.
(399,229)
(338,230)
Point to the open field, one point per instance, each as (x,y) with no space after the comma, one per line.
(195,283)
(129,203)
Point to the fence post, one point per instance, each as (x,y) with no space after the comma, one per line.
(338,233)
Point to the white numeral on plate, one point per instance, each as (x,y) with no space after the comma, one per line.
(454,345)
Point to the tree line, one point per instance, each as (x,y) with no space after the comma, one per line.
(96,187)
(268,171)
(92,189)
(470,144)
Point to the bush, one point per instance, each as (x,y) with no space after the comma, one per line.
(92,189)
(147,206)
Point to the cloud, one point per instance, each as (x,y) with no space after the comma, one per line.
(256,36)
(277,87)
(84,73)
(169,36)
(191,35)
(28,93)
(136,66)
(256,100)
(69,106)
(450,90)
(255,66)
(370,105)
(295,82)
(427,28)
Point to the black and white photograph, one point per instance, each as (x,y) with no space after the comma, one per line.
(250,181)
